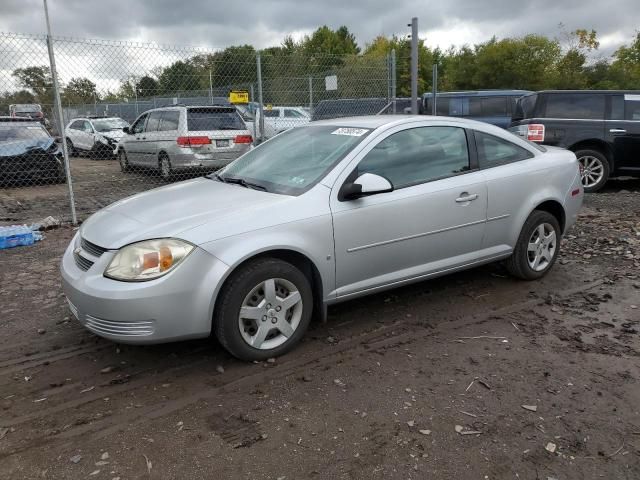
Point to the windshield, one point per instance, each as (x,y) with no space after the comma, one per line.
(16,132)
(212,118)
(292,162)
(27,108)
(107,124)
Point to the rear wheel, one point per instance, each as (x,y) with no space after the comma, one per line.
(263,310)
(164,164)
(537,248)
(594,169)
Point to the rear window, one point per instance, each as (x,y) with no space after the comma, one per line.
(199,119)
(488,107)
(580,106)
(632,107)
(525,107)
(28,108)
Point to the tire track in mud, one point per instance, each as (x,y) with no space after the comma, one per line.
(245,377)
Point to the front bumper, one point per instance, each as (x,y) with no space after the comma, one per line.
(174,307)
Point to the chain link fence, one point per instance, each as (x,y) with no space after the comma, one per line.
(137,116)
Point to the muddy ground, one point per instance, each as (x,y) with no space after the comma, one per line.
(471,376)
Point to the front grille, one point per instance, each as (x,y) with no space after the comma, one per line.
(82,263)
(127,329)
(92,248)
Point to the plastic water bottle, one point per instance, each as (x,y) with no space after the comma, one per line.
(16,236)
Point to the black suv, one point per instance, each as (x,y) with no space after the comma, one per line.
(602,127)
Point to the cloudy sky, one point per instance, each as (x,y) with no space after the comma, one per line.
(220,23)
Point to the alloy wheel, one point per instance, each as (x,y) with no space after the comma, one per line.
(542,247)
(270,314)
(591,171)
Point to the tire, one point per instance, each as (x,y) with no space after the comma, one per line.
(248,289)
(594,169)
(164,166)
(123,161)
(71,150)
(522,263)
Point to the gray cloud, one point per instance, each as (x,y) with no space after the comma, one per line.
(265,22)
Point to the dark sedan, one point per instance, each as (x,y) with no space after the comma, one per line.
(28,154)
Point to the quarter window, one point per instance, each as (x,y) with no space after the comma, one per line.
(418,155)
(632,107)
(493,151)
(579,106)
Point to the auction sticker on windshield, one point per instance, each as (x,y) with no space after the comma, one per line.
(351,132)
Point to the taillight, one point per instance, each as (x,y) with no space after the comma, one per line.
(243,139)
(535,132)
(193,141)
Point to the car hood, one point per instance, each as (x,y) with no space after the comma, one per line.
(177,210)
(20,147)
(115,134)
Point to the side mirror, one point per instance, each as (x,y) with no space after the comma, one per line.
(365,185)
(126,130)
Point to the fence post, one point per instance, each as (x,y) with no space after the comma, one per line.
(58,108)
(210,88)
(255,127)
(414,66)
(435,87)
(260,101)
(310,93)
(393,79)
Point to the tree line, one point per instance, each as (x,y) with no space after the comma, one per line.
(530,62)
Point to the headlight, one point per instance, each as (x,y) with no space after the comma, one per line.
(147,260)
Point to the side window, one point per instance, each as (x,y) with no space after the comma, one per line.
(617,107)
(77,125)
(170,120)
(632,107)
(494,106)
(154,122)
(138,127)
(418,155)
(271,113)
(86,126)
(493,151)
(582,106)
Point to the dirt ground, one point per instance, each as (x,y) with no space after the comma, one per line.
(470,376)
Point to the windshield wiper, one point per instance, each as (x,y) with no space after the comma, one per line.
(217,176)
(244,183)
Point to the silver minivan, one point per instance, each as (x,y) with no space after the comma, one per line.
(177,138)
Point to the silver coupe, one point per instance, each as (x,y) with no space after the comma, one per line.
(319,214)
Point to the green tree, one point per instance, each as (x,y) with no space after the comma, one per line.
(79,91)
(38,80)
(147,87)
(179,76)
(626,64)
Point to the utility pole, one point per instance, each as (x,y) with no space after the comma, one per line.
(435,88)
(414,65)
(58,106)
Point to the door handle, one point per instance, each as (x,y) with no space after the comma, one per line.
(144,138)
(465,197)
(617,130)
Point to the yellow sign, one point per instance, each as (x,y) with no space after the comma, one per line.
(239,96)
(268,106)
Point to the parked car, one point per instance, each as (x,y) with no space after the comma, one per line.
(97,137)
(177,138)
(28,153)
(491,106)
(321,213)
(284,118)
(349,107)
(29,110)
(249,115)
(601,127)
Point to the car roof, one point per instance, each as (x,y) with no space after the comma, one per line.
(376,121)
(610,92)
(7,119)
(477,93)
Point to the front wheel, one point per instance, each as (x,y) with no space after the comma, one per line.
(537,248)
(263,310)
(123,161)
(594,169)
